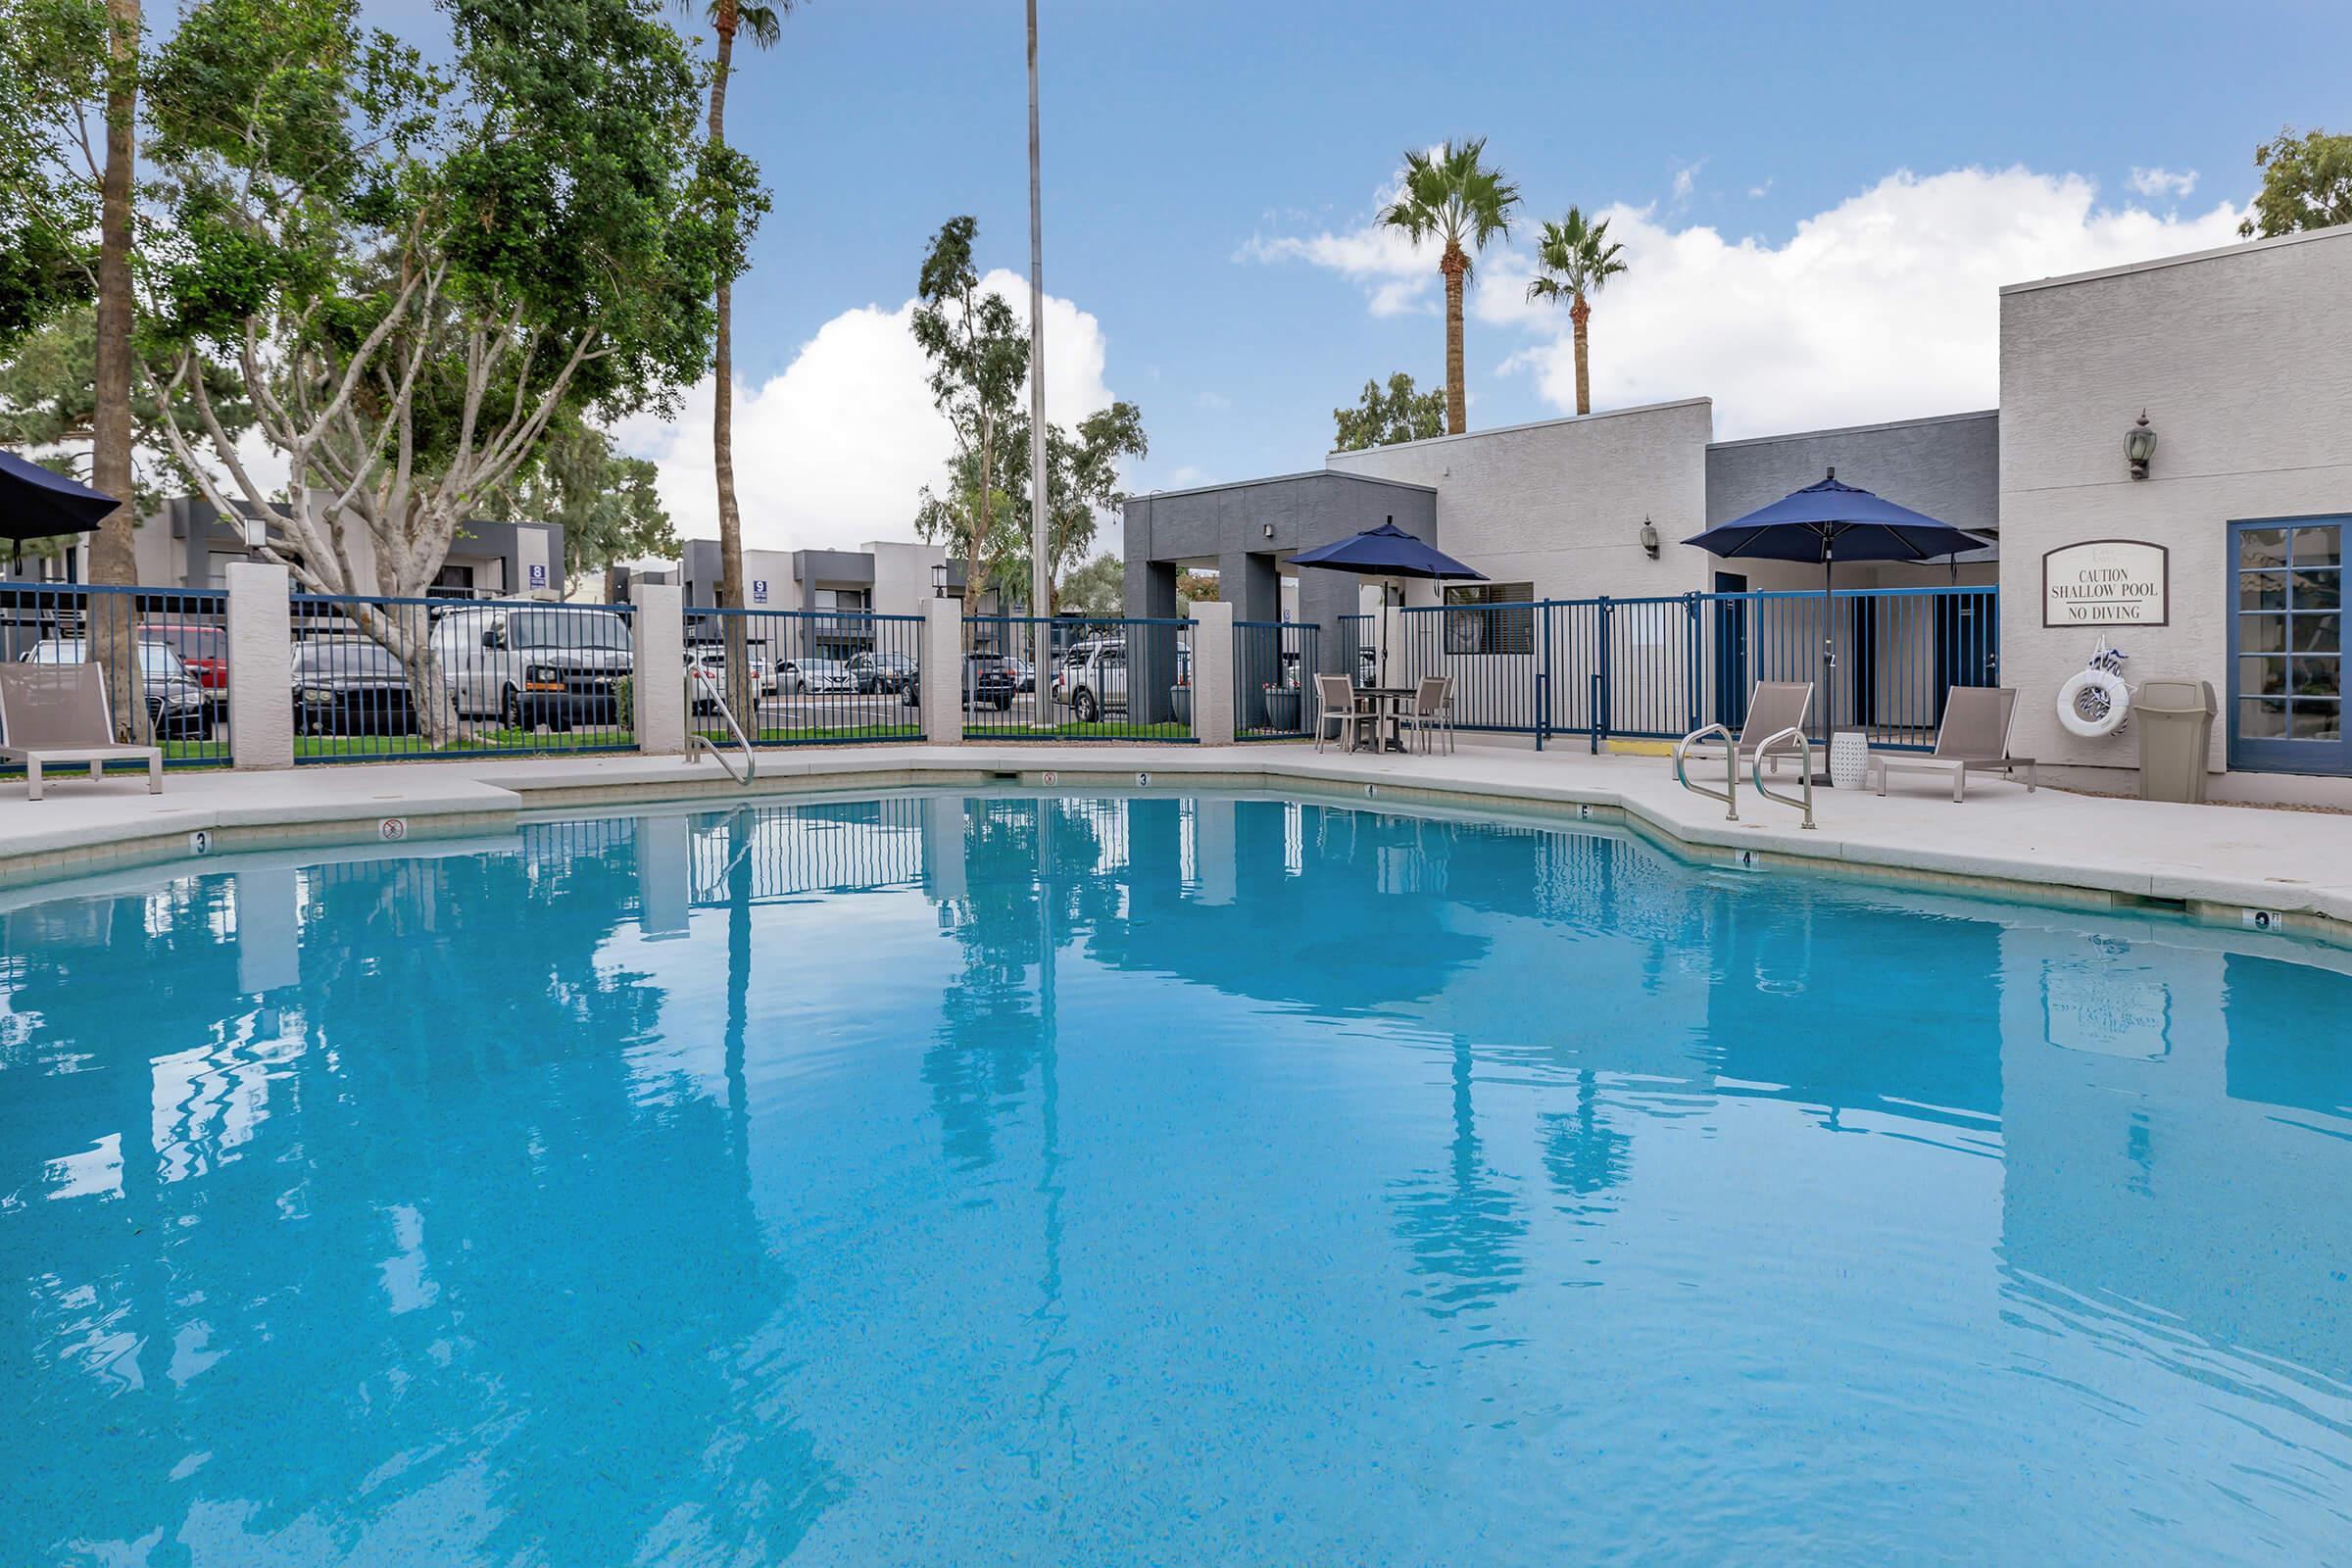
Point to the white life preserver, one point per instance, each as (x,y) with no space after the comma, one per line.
(2094,702)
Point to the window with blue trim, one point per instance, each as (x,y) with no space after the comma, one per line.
(2286,647)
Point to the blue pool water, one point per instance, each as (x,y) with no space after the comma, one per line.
(1280,1183)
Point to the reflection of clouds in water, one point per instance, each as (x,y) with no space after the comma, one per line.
(910,1177)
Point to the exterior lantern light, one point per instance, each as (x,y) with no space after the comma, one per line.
(2140,445)
(939,579)
(1649,538)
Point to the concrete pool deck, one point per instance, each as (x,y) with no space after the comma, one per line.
(2217,863)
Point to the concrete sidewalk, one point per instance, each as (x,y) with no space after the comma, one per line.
(2292,863)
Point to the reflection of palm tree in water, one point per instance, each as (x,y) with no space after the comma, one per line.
(1584,1156)
(1463,1224)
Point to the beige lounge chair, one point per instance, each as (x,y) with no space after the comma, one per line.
(1775,707)
(53,714)
(1974,733)
(1432,710)
(1336,703)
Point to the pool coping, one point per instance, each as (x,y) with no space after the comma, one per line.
(2239,884)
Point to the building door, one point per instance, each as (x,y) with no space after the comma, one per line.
(1731,651)
(2286,647)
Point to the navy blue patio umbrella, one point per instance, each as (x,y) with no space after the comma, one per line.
(37,503)
(1388,551)
(1830,522)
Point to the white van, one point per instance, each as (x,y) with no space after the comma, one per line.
(529,663)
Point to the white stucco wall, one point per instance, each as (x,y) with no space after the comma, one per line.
(1561,504)
(2242,358)
(903,575)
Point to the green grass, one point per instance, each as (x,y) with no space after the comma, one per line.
(1101,729)
(820,734)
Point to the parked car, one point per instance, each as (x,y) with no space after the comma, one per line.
(204,650)
(988,679)
(797,678)
(177,706)
(709,661)
(350,686)
(527,663)
(881,673)
(1024,675)
(1093,678)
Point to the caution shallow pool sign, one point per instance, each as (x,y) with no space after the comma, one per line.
(2105,582)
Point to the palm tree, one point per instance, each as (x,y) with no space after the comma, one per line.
(1574,262)
(766,24)
(1453,195)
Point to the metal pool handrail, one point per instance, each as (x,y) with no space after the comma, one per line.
(1804,764)
(1728,795)
(697,742)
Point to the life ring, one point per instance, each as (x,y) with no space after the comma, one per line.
(2094,702)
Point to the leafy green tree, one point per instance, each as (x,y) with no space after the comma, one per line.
(979,359)
(415,270)
(1098,588)
(2306,183)
(1083,480)
(1384,418)
(975,523)
(765,24)
(606,503)
(1453,196)
(1574,261)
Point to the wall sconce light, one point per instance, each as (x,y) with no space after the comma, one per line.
(2140,445)
(1269,530)
(1649,538)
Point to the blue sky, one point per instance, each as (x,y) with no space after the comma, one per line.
(1211,167)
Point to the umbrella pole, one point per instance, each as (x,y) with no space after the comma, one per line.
(1828,640)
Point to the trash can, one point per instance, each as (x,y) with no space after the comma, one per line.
(2175,730)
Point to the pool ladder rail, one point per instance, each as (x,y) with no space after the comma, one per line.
(1771,748)
(698,743)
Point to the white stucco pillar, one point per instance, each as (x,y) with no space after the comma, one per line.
(1213,673)
(268,901)
(1215,847)
(664,875)
(658,668)
(260,666)
(941,671)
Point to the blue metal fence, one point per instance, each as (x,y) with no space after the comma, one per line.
(180,637)
(1068,677)
(381,679)
(1880,660)
(1271,662)
(814,677)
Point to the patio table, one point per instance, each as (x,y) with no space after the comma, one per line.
(1388,708)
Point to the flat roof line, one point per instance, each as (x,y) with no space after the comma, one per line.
(1285,479)
(1533,424)
(2218,253)
(1857,429)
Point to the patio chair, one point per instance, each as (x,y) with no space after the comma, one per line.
(54,715)
(1974,733)
(1432,710)
(1336,703)
(1773,708)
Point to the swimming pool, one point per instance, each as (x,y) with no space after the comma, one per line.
(1283,1182)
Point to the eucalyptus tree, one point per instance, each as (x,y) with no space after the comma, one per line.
(413,270)
(979,357)
(1385,417)
(2306,183)
(1082,484)
(1453,195)
(765,24)
(1574,261)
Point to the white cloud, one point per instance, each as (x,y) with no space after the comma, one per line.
(1214,401)
(1686,180)
(2163,182)
(832,452)
(1398,277)
(1885,306)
